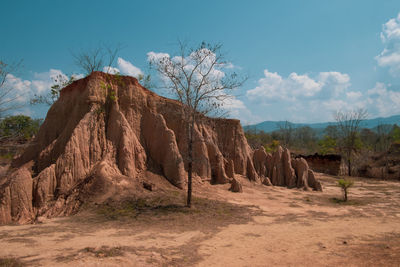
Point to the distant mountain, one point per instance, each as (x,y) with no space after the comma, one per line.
(270,126)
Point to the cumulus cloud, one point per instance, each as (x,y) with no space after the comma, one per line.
(274,87)
(305,98)
(24,90)
(18,89)
(383,101)
(128,68)
(154,57)
(390,36)
(41,83)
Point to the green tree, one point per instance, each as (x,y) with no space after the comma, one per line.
(395,134)
(19,128)
(327,145)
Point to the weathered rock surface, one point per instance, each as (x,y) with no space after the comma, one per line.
(330,164)
(101,135)
(283,170)
(266,181)
(236,186)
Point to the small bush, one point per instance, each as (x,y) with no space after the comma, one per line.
(345,184)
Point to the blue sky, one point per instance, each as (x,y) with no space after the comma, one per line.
(305,59)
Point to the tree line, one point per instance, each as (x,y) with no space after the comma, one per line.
(346,138)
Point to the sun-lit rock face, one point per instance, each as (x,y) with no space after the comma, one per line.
(99,138)
(280,169)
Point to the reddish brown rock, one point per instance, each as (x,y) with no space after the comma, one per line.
(278,177)
(266,181)
(260,161)
(283,170)
(16,197)
(236,186)
(101,135)
(305,176)
(301,167)
(229,169)
(289,174)
(313,182)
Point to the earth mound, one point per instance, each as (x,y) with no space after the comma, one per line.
(105,132)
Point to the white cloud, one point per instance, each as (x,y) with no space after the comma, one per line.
(305,98)
(234,103)
(390,56)
(41,84)
(110,70)
(128,68)
(154,57)
(383,101)
(354,95)
(334,83)
(18,89)
(274,87)
(391,29)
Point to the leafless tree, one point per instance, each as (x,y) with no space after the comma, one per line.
(383,138)
(8,94)
(349,124)
(286,129)
(96,59)
(200,80)
(59,82)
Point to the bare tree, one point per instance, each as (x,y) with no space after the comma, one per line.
(349,124)
(383,138)
(96,59)
(59,82)
(286,129)
(200,80)
(8,94)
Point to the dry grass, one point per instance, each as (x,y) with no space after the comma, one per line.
(10,262)
(168,212)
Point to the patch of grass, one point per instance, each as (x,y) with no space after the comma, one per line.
(343,202)
(104,251)
(10,262)
(168,211)
(7,156)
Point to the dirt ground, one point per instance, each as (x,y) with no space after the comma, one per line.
(263,226)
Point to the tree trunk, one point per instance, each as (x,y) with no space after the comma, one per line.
(349,165)
(190,163)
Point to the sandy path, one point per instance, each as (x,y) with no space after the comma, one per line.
(291,228)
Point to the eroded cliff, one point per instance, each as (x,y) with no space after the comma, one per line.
(101,136)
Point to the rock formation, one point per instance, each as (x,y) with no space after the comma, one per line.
(236,186)
(106,131)
(280,169)
(98,139)
(329,164)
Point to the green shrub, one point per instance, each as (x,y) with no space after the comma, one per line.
(345,184)
(19,127)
